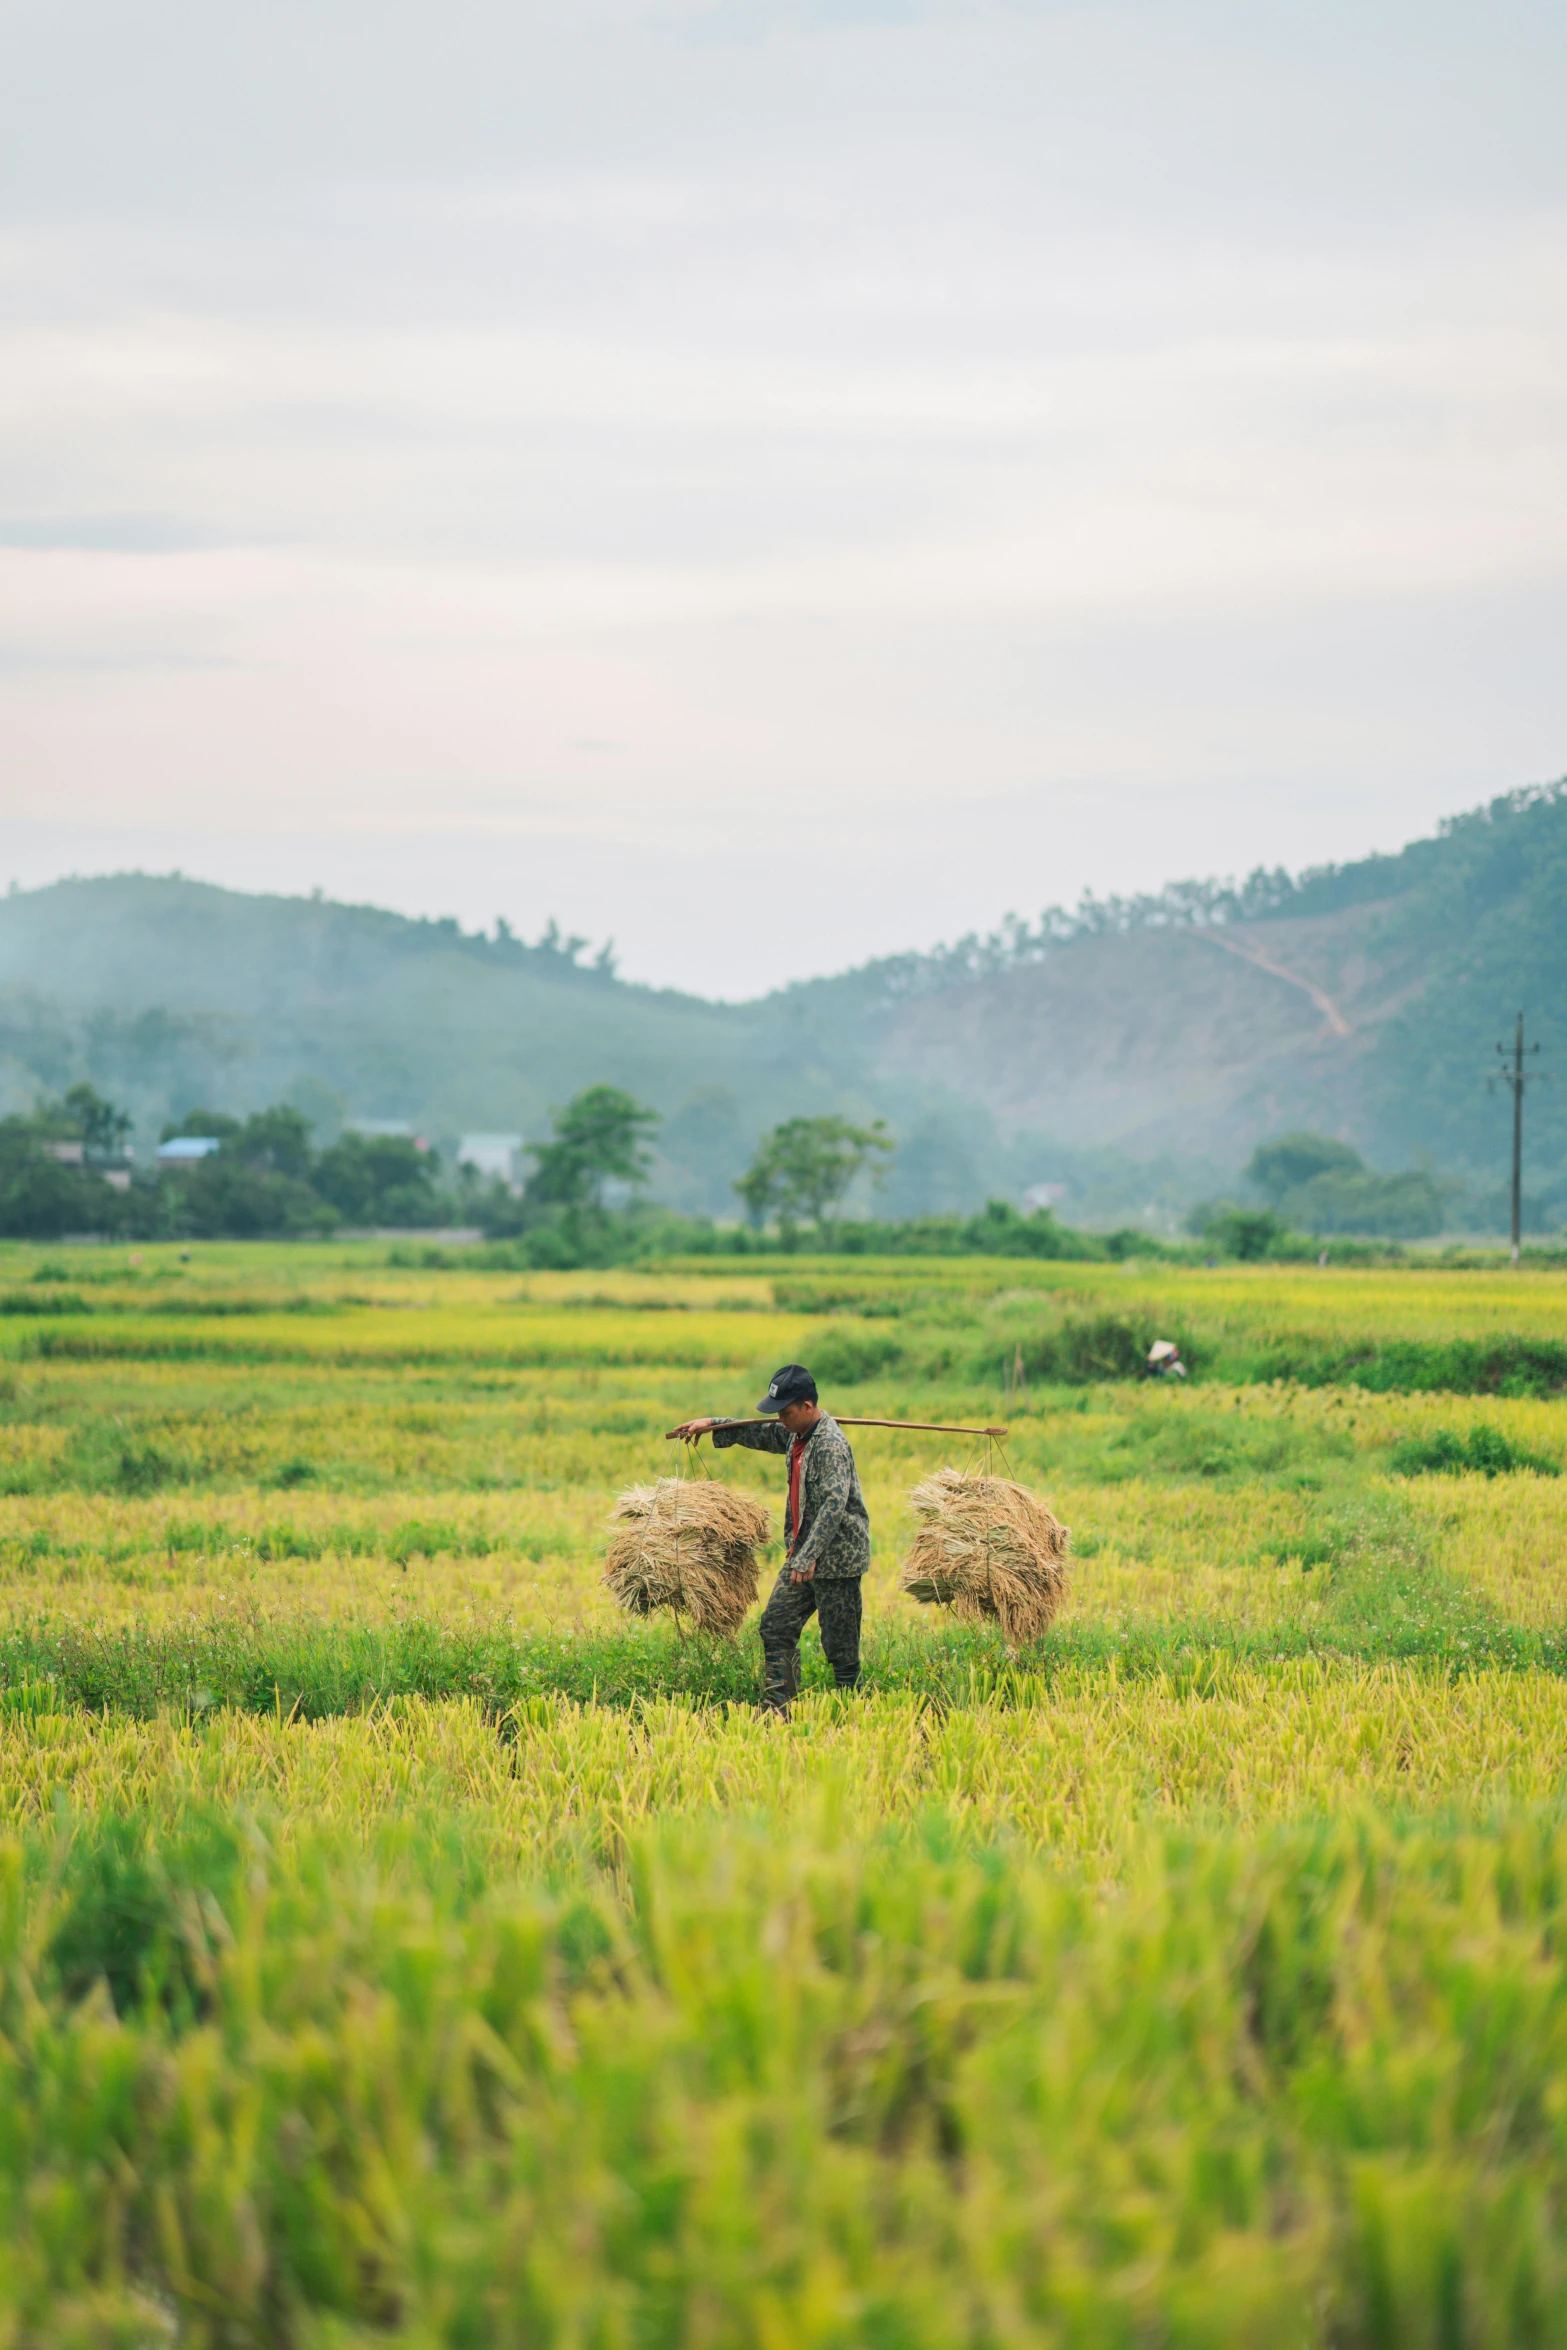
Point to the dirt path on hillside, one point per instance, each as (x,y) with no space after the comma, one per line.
(1249,954)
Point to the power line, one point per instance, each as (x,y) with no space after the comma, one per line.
(1517,1078)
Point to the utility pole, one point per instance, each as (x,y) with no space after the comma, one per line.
(1515,1077)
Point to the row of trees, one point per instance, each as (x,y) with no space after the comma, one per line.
(266,1176)
(64,1167)
(60,1164)
(1312,1184)
(600,1155)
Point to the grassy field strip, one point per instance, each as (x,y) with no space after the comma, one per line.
(1180,1507)
(1422,1302)
(1074,1775)
(129,1430)
(342,1311)
(517,1338)
(321,1289)
(1147,1554)
(1367,1422)
(532,1559)
(1146,1551)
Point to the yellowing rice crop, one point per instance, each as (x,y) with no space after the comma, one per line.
(1076,1770)
(399,1943)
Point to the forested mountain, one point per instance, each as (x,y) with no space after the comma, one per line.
(1364,1000)
(1131,1047)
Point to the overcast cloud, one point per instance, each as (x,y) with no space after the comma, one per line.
(773,483)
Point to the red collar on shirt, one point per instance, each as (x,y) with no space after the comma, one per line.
(797,1445)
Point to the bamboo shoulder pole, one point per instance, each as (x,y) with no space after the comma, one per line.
(928,1427)
(924,1427)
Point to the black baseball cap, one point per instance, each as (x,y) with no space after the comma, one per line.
(793,1384)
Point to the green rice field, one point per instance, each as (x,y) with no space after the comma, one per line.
(399,1946)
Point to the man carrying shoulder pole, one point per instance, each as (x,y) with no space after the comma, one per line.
(827,1532)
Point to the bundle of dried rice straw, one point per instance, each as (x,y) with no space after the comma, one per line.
(989,1550)
(690,1544)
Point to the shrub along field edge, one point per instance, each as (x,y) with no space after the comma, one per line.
(313,1671)
(1077,1352)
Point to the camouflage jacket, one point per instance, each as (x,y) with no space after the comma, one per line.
(835,1527)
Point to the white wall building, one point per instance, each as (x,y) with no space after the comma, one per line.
(186,1150)
(493,1156)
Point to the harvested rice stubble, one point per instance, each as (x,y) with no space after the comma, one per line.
(690,1545)
(988,1549)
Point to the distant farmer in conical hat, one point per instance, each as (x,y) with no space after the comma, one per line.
(1164,1361)
(827,1533)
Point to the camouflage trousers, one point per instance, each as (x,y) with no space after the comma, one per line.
(835,1601)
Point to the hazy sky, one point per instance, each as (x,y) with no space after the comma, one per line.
(773,483)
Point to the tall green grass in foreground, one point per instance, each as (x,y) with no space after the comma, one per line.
(1301,2087)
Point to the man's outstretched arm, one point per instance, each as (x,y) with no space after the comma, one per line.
(769,1437)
